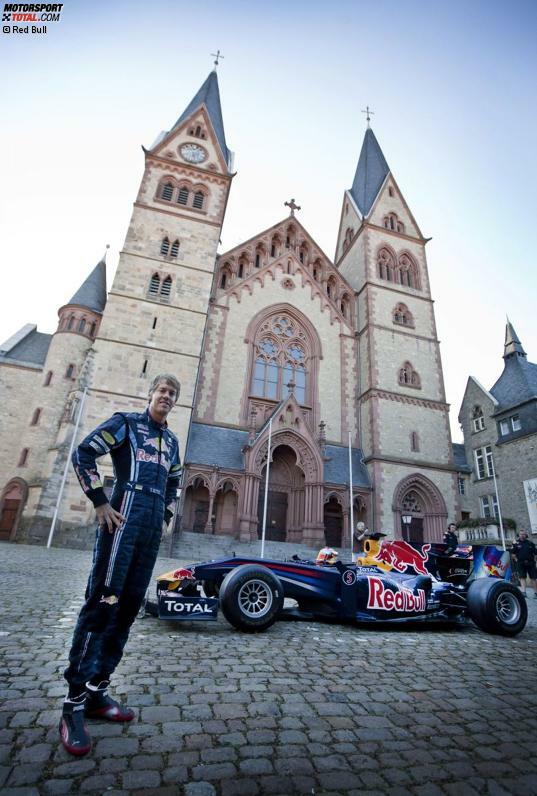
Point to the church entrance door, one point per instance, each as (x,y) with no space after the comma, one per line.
(333,523)
(10,509)
(276,515)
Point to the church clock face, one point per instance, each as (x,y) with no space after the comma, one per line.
(193,153)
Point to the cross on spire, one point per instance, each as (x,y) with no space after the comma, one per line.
(292,206)
(217,55)
(368,113)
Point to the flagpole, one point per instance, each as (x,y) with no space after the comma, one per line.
(263,532)
(350,496)
(85,378)
(502,534)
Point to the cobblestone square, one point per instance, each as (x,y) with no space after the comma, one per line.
(302,709)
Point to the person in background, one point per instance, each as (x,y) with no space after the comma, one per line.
(523,551)
(451,539)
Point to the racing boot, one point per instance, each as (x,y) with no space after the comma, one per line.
(100,705)
(73,732)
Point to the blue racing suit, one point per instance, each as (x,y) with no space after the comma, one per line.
(146,463)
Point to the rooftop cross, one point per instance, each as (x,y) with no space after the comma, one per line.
(217,55)
(292,206)
(368,113)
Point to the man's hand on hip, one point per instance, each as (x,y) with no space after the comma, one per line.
(109,518)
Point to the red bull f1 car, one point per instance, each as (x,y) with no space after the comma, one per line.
(392,582)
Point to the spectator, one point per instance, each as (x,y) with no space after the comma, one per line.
(451,539)
(523,552)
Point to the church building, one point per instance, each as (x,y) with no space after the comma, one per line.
(271,336)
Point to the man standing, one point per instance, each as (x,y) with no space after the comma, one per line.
(451,539)
(523,552)
(145,456)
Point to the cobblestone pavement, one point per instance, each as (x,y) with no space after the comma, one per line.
(302,709)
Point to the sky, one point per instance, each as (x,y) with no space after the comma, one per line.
(453,90)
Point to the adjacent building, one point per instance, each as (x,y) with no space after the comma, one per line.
(500,434)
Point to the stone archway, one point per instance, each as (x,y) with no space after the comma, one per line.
(225,508)
(418,498)
(333,521)
(301,496)
(285,503)
(12,503)
(197,505)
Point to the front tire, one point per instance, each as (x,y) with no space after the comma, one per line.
(497,606)
(251,597)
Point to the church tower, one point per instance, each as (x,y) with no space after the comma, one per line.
(157,306)
(404,421)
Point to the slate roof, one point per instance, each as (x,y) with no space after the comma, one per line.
(459,457)
(517,384)
(208,95)
(31,348)
(336,470)
(371,172)
(216,445)
(92,292)
(211,445)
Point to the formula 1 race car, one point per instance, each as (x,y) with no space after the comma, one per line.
(393,582)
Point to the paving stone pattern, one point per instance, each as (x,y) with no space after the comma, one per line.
(302,709)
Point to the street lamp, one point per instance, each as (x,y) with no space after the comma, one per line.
(407,519)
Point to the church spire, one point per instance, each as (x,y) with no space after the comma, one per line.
(92,292)
(209,96)
(512,344)
(371,172)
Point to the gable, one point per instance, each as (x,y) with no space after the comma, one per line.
(196,130)
(390,211)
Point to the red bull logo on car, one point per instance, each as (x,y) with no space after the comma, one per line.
(398,555)
(402,600)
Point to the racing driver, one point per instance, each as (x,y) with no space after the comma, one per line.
(145,456)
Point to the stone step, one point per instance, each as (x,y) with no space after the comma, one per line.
(191,547)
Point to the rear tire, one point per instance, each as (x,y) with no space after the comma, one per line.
(251,597)
(497,606)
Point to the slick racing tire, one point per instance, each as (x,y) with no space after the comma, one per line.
(251,597)
(497,606)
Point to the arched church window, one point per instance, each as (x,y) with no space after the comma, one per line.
(70,372)
(199,198)
(408,377)
(412,503)
(241,270)
(331,288)
(48,379)
(93,329)
(385,264)
(174,251)
(281,359)
(167,191)
(345,306)
(182,196)
(414,442)
(223,281)
(402,315)
(154,285)
(70,322)
(82,325)
(166,288)
(408,271)
(165,247)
